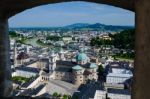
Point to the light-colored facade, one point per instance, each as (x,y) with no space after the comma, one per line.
(77,72)
(112,94)
(118,96)
(26,72)
(67,39)
(118,75)
(100,94)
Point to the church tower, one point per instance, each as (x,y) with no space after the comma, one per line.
(62,54)
(52,61)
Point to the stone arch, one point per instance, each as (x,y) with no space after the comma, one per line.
(16,6)
(141,85)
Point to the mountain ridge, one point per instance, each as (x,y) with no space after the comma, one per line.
(97,26)
(83,26)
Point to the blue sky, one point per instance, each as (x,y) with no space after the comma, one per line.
(62,14)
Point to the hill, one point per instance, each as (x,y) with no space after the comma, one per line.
(96,27)
(80,27)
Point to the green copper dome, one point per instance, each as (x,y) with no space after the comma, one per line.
(77,67)
(93,65)
(81,57)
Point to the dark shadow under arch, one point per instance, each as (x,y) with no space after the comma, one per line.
(16,6)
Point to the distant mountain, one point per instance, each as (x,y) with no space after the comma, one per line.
(77,25)
(96,27)
(80,26)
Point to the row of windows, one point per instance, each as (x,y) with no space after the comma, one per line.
(45,78)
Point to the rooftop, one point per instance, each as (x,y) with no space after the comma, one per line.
(93,65)
(119,91)
(119,75)
(28,69)
(77,67)
(81,56)
(63,69)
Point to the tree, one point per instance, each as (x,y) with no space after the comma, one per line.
(53,38)
(100,70)
(125,39)
(65,96)
(69,97)
(55,94)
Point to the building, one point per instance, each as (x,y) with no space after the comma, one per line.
(77,72)
(67,39)
(112,94)
(100,94)
(118,73)
(105,36)
(118,94)
(26,72)
(22,58)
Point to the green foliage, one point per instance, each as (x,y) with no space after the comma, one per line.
(100,70)
(54,38)
(69,97)
(39,41)
(65,96)
(98,42)
(122,40)
(60,95)
(21,79)
(22,40)
(125,55)
(14,34)
(55,94)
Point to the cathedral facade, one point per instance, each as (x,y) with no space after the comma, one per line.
(77,72)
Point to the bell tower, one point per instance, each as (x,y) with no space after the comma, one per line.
(52,61)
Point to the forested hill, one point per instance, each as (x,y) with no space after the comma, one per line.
(97,27)
(122,40)
(125,39)
(80,27)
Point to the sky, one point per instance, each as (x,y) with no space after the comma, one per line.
(62,14)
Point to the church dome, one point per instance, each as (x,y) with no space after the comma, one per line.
(81,57)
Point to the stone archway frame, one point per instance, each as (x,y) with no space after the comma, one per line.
(141,8)
(16,6)
(9,8)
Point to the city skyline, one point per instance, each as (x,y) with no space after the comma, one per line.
(70,13)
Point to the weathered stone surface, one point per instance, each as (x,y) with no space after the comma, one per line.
(141,85)
(5,69)
(13,7)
